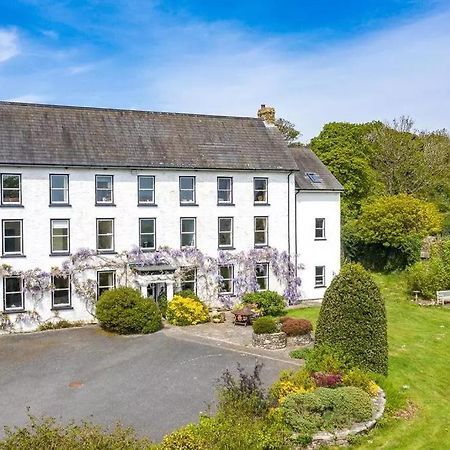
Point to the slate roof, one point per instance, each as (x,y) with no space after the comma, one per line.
(32,134)
(309,163)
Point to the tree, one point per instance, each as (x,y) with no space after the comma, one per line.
(352,319)
(287,129)
(407,160)
(389,231)
(345,149)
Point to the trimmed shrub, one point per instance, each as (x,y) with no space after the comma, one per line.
(186,311)
(46,433)
(326,410)
(269,302)
(352,319)
(296,327)
(265,325)
(329,380)
(125,311)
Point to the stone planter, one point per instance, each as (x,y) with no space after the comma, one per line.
(272,341)
(301,341)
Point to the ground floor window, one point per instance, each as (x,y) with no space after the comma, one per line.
(226,284)
(61,292)
(13,293)
(320,276)
(106,280)
(189,280)
(262,276)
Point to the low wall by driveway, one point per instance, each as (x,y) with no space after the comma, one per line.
(272,341)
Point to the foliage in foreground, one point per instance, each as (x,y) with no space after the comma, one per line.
(270,303)
(46,433)
(352,319)
(186,311)
(125,311)
(59,325)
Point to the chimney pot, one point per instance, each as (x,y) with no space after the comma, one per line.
(267,113)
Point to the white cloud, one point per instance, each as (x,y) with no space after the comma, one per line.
(9,46)
(402,70)
(28,98)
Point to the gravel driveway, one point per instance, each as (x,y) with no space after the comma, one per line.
(153,382)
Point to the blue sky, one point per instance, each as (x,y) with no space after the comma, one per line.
(315,61)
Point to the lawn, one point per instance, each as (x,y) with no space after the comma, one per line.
(419,372)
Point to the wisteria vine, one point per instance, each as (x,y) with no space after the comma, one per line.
(37,282)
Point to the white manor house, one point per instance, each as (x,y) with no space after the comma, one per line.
(95,198)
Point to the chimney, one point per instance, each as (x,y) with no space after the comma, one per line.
(267,113)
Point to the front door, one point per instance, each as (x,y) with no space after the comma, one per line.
(156,290)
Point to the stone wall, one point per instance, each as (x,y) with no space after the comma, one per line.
(272,341)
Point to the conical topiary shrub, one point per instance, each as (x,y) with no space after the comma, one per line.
(353,319)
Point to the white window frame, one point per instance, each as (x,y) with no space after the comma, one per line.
(230,232)
(192,190)
(319,280)
(105,287)
(141,189)
(262,277)
(64,189)
(182,219)
(229,191)
(20,221)
(265,231)
(265,190)
(21,292)
(319,232)
(103,250)
(19,189)
(111,190)
(52,236)
(226,280)
(141,234)
(64,289)
(185,280)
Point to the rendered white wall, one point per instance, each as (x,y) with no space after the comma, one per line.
(36,214)
(312,252)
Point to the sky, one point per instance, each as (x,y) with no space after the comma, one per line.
(314,61)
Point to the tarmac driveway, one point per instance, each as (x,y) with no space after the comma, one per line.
(153,382)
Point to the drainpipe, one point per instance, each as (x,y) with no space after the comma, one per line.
(289,211)
(296,232)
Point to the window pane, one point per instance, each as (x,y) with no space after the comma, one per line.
(13,284)
(104,182)
(61,297)
(12,245)
(59,181)
(12,228)
(59,196)
(260,196)
(225,224)
(146,197)
(104,196)
(186,183)
(224,239)
(147,226)
(60,244)
(13,301)
(105,242)
(224,184)
(61,282)
(11,181)
(106,278)
(187,196)
(148,241)
(260,237)
(260,223)
(105,226)
(260,184)
(146,182)
(11,196)
(187,225)
(224,196)
(188,240)
(225,272)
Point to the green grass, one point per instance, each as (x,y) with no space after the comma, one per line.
(419,372)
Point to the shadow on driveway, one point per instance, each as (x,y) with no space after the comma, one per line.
(154,383)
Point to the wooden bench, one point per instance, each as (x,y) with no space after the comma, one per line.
(442,297)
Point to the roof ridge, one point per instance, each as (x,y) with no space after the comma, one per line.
(138,111)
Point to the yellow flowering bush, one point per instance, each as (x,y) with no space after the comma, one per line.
(358,378)
(186,311)
(290,382)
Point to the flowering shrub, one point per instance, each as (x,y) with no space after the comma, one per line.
(186,311)
(296,327)
(327,379)
(290,382)
(358,378)
(269,302)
